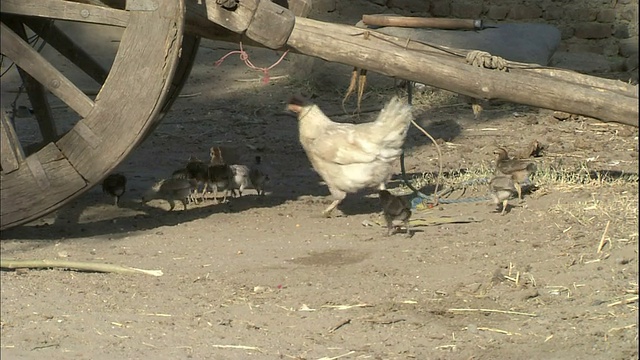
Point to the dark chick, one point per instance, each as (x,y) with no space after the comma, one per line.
(219,178)
(115,185)
(183,174)
(258,176)
(502,188)
(518,169)
(397,211)
(198,170)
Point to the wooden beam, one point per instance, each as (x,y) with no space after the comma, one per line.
(67,10)
(365,49)
(27,58)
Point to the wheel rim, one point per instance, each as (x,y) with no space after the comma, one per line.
(137,91)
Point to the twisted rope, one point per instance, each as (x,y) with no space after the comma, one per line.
(486,60)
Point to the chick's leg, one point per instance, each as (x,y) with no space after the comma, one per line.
(215,194)
(518,189)
(505,203)
(409,229)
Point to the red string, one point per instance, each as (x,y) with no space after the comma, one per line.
(244,56)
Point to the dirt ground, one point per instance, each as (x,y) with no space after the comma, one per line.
(269,278)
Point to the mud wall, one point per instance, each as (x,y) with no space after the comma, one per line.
(606,30)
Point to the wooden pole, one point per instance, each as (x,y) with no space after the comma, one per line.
(366,49)
(421,22)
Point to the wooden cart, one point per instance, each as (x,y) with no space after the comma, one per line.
(159,42)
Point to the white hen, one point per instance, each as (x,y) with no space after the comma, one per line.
(350,157)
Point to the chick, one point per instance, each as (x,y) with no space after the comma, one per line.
(198,170)
(184,174)
(115,185)
(502,188)
(258,176)
(170,190)
(518,169)
(219,178)
(240,179)
(397,211)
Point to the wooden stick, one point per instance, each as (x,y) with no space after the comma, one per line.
(498,331)
(74,265)
(625,301)
(242,347)
(341,324)
(494,311)
(602,240)
(421,22)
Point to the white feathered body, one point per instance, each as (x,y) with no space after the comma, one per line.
(350,157)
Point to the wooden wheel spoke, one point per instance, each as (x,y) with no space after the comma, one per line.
(68,48)
(66,10)
(37,96)
(12,154)
(27,58)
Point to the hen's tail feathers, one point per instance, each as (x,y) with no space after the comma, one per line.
(394,120)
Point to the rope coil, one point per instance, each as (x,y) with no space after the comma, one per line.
(486,60)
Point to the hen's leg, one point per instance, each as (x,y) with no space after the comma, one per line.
(338,196)
(382,186)
(328,210)
(172,204)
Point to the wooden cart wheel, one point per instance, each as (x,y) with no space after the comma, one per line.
(151,64)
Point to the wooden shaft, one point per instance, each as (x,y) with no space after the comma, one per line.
(366,49)
(556,89)
(421,22)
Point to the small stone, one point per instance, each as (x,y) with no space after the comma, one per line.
(606,16)
(593,30)
(561,115)
(530,294)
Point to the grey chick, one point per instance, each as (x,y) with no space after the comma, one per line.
(239,180)
(170,190)
(518,169)
(502,188)
(397,211)
(258,176)
(115,185)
